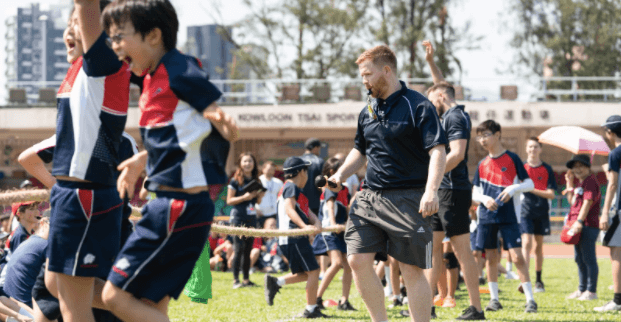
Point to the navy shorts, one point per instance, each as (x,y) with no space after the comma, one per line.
(535,226)
(85,229)
(324,243)
(487,236)
(159,256)
(300,255)
(473,241)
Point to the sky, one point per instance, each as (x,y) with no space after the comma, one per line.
(480,67)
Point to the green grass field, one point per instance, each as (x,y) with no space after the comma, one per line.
(248,304)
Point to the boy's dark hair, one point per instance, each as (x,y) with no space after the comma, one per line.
(444,86)
(330,167)
(617,132)
(535,139)
(144,15)
(23,208)
(489,125)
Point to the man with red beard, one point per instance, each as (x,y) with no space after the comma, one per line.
(401,137)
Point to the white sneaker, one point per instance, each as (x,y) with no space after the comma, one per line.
(574,295)
(511,276)
(610,306)
(587,296)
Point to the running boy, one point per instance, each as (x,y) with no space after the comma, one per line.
(535,221)
(86,208)
(333,212)
(178,114)
(293,212)
(498,178)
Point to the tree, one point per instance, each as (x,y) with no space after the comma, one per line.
(404,24)
(568,38)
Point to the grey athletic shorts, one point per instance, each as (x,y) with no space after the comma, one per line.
(388,222)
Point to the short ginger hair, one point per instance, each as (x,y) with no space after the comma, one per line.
(380,55)
(444,86)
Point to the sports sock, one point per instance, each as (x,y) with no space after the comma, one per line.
(311,308)
(617,298)
(281,281)
(509,266)
(528,291)
(493,290)
(539,277)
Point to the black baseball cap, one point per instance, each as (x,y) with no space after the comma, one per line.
(312,143)
(293,165)
(613,123)
(582,158)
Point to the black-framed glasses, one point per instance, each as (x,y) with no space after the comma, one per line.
(484,136)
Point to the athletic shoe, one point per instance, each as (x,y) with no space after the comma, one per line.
(531,307)
(511,276)
(449,302)
(438,301)
(587,296)
(520,288)
(346,306)
(405,301)
(471,314)
(236,285)
(493,306)
(574,295)
(539,287)
(313,315)
(610,306)
(249,284)
(482,281)
(404,291)
(271,288)
(406,313)
(320,277)
(320,303)
(396,301)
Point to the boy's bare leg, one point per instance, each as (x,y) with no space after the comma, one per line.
(312,283)
(75,294)
(347,278)
(328,276)
(130,309)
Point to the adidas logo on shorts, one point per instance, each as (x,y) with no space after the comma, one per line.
(421,230)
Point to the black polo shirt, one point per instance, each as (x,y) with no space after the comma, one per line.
(457,126)
(396,135)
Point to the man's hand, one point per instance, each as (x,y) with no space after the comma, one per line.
(130,171)
(428,50)
(603,221)
(491,205)
(505,195)
(223,122)
(429,204)
(336,178)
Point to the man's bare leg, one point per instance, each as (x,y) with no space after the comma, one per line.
(416,283)
(347,278)
(433,274)
(369,285)
(461,247)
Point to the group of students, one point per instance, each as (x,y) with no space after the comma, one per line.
(94,257)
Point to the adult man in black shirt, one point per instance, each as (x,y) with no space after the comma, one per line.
(312,146)
(400,136)
(453,219)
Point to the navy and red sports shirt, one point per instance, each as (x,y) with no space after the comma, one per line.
(290,190)
(92,111)
(184,150)
(543,178)
(492,176)
(341,200)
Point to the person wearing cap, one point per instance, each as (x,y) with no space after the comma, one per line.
(312,146)
(28,216)
(293,213)
(584,198)
(610,219)
(400,135)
